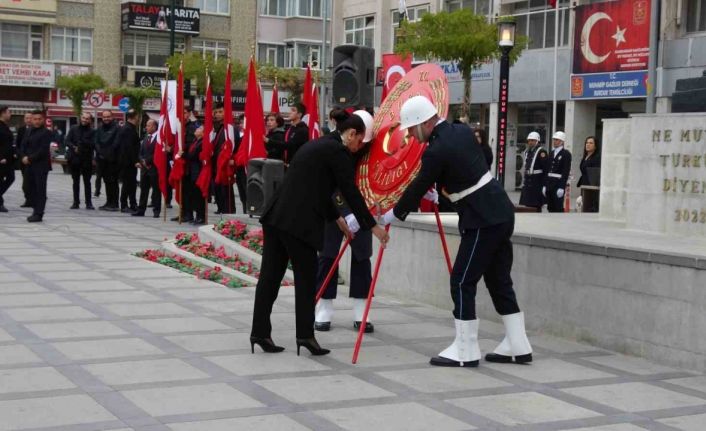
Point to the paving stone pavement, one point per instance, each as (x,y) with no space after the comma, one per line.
(92,338)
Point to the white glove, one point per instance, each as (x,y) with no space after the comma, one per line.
(544,192)
(560,193)
(432,195)
(352,223)
(388,217)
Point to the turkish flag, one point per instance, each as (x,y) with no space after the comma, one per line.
(274,105)
(394,68)
(314,131)
(253,144)
(204,180)
(179,166)
(552,3)
(163,140)
(224,169)
(612,36)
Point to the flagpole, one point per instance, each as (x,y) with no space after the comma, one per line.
(164,196)
(556,56)
(180,139)
(206,199)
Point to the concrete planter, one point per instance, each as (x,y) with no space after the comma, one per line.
(171,247)
(208,234)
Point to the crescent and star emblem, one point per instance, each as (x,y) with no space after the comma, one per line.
(586,50)
(391,71)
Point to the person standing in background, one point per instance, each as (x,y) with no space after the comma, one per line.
(128,142)
(37,158)
(559,166)
(536,165)
(148,172)
(22,134)
(107,157)
(7,155)
(80,148)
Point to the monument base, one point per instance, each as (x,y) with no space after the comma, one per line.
(575,276)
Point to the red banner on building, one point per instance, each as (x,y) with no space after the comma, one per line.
(394,68)
(612,36)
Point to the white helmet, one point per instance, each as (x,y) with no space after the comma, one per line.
(416,110)
(368,121)
(533,135)
(559,135)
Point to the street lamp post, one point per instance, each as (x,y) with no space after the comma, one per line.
(506,40)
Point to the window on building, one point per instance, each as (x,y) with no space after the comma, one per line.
(20,41)
(216,49)
(273,7)
(308,53)
(72,44)
(148,50)
(271,54)
(414,14)
(535,19)
(696,16)
(359,31)
(213,6)
(479,7)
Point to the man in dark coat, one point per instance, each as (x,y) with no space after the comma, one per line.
(559,168)
(535,172)
(293,224)
(224,194)
(195,206)
(37,158)
(297,134)
(7,155)
(80,148)
(22,134)
(149,180)
(129,151)
(107,154)
(486,221)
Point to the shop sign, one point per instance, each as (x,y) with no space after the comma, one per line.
(40,75)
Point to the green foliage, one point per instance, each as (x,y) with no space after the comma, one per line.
(77,86)
(137,95)
(460,36)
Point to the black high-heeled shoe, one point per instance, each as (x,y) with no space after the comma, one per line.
(312,345)
(266,343)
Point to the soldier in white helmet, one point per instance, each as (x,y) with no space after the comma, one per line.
(486,219)
(361,251)
(559,167)
(535,172)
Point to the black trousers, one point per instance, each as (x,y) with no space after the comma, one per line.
(7,177)
(281,247)
(361,275)
(25,184)
(150,182)
(128,192)
(110,172)
(487,253)
(225,199)
(77,172)
(194,203)
(99,176)
(37,179)
(554,204)
(241,180)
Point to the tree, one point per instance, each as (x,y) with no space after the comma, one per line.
(460,36)
(77,86)
(195,66)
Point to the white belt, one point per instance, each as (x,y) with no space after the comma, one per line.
(485,179)
(536,171)
(554,175)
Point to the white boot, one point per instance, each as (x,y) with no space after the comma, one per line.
(464,351)
(324,313)
(515,344)
(358,311)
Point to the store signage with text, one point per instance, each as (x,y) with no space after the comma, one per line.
(145,16)
(40,75)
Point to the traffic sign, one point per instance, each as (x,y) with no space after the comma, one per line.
(124,104)
(96,99)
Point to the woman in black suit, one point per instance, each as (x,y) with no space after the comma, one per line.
(274,140)
(591,159)
(293,225)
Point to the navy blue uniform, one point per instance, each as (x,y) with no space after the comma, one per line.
(486,217)
(557,177)
(536,164)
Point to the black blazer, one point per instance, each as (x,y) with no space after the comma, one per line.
(147,151)
(37,149)
(455,165)
(106,143)
(488,154)
(80,138)
(561,164)
(295,137)
(7,150)
(192,155)
(302,204)
(592,162)
(275,144)
(128,142)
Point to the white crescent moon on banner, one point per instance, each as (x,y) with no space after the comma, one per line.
(391,71)
(586,50)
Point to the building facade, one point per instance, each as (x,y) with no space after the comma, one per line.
(42,40)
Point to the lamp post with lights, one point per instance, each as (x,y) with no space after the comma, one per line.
(506,41)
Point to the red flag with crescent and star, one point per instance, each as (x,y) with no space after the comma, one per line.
(394,67)
(612,36)
(204,180)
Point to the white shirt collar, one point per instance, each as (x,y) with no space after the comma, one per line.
(557,149)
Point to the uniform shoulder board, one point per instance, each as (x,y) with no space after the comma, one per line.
(542,154)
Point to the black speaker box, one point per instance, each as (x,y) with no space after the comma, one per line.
(353,76)
(264,177)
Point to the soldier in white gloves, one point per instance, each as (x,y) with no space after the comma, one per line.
(361,252)
(456,164)
(558,175)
